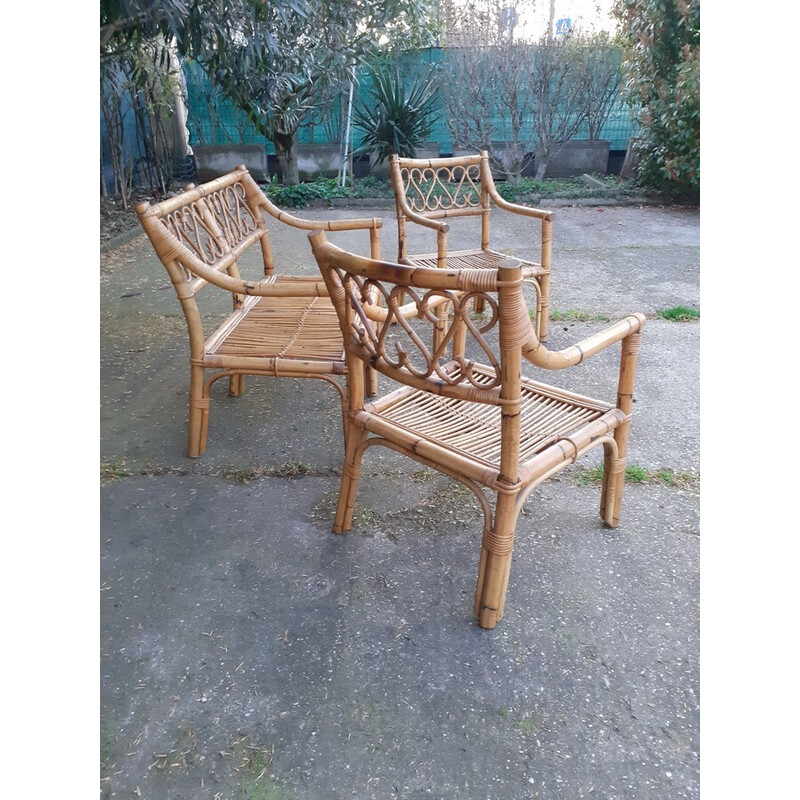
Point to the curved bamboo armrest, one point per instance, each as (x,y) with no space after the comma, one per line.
(367,223)
(535,352)
(260,199)
(414,216)
(271,286)
(515,208)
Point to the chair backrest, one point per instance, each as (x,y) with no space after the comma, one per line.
(207,228)
(199,236)
(414,324)
(440,188)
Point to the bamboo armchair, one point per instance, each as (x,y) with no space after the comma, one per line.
(429,191)
(483,424)
(281,325)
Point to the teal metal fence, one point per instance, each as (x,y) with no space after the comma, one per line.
(213,120)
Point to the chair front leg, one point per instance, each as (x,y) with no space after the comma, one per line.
(199,402)
(614,468)
(351,472)
(613,479)
(495,563)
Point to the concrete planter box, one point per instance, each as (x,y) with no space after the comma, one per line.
(315,160)
(458,152)
(507,153)
(212,161)
(428,150)
(579,156)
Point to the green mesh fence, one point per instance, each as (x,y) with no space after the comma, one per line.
(213,120)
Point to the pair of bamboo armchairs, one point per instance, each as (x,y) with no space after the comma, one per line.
(463,406)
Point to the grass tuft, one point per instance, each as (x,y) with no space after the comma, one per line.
(637,474)
(679,313)
(112,470)
(291,469)
(571,315)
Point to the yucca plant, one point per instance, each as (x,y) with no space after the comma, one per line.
(395,117)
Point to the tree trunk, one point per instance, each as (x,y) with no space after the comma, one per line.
(286,150)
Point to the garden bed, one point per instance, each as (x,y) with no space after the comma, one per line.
(117,221)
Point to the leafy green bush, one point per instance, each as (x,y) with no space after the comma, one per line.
(662,63)
(300,195)
(372,186)
(565,187)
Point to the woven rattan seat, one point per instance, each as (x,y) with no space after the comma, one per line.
(473,431)
(281,325)
(428,192)
(279,328)
(480,422)
(478,259)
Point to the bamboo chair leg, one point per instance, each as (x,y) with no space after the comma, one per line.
(613,485)
(204,426)
(479,305)
(371,380)
(543,308)
(198,414)
(495,564)
(614,468)
(236,385)
(351,471)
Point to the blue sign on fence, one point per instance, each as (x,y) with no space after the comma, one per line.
(563,26)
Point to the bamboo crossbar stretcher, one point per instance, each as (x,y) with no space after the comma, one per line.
(480,422)
(281,325)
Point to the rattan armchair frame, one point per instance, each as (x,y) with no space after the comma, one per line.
(428,192)
(483,424)
(281,325)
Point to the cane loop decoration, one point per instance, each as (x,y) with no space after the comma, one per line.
(218,218)
(430,189)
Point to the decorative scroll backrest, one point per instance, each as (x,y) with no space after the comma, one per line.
(427,335)
(214,222)
(213,225)
(448,185)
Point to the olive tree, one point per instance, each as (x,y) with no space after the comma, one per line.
(141,86)
(294,60)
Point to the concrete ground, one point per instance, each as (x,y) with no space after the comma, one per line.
(249,653)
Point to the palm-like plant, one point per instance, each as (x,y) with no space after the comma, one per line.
(395,117)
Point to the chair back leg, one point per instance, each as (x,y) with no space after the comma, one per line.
(236,388)
(543,309)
